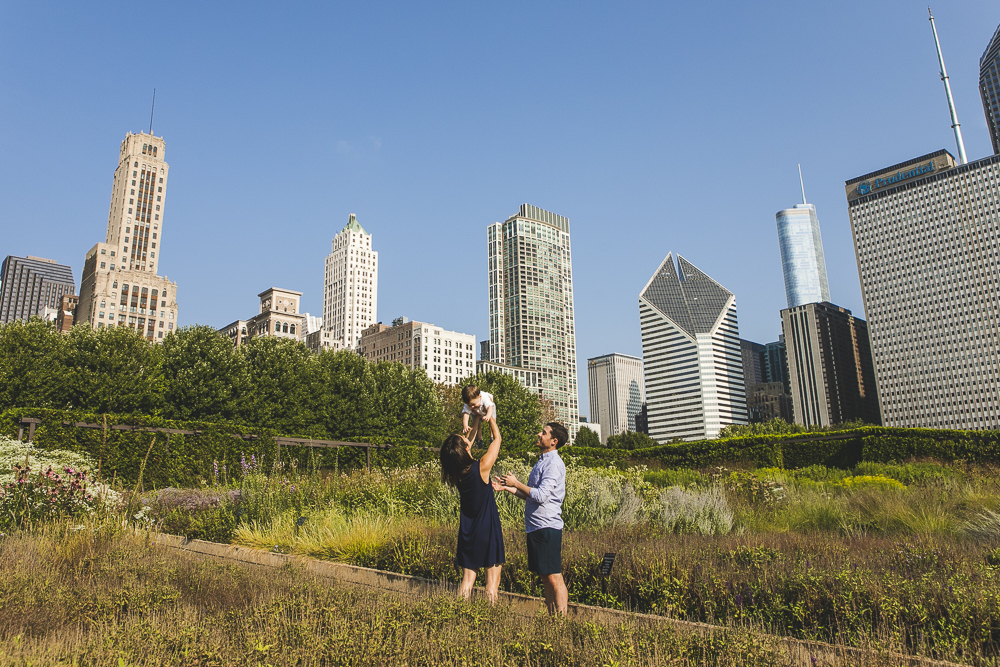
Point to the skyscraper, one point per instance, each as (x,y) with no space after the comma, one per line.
(30,285)
(691,354)
(350,284)
(617,391)
(776,363)
(802,260)
(531,303)
(830,366)
(120,284)
(989,88)
(927,240)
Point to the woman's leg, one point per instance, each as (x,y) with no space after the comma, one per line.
(492,583)
(468,581)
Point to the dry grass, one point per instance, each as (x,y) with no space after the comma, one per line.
(101,597)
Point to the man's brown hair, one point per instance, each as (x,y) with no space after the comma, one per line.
(469,393)
(559,432)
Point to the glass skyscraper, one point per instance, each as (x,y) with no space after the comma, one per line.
(802,259)
(989,88)
(531,304)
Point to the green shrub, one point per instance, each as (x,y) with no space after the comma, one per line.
(675,477)
(869,481)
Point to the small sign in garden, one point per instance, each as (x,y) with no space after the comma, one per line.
(609,560)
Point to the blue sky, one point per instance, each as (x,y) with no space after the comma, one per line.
(654,127)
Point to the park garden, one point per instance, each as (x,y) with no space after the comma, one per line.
(885,539)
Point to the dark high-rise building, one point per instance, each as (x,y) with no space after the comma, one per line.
(766,377)
(32,286)
(989,88)
(830,364)
(767,401)
(753,362)
(484,350)
(642,421)
(776,364)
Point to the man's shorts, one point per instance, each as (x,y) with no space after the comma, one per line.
(545,551)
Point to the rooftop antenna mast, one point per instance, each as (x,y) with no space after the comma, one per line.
(802,185)
(151,108)
(947,90)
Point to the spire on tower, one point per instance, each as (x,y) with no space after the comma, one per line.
(802,185)
(947,91)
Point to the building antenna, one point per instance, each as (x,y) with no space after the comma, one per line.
(947,91)
(151,108)
(802,185)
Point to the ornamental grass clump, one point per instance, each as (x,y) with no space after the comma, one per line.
(703,512)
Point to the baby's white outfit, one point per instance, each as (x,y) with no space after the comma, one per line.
(486,402)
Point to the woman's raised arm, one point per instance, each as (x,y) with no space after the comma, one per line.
(490,457)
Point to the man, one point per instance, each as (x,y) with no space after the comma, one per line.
(543,497)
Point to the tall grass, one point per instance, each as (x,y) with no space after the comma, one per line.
(89,598)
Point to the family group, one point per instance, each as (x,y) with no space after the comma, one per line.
(480,538)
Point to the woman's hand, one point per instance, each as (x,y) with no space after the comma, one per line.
(499,486)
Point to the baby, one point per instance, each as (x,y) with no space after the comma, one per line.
(480,405)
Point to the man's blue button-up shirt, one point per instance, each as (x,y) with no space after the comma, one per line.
(543,507)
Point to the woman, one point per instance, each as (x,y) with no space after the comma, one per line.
(480,539)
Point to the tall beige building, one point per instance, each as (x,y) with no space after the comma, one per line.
(120,285)
(927,242)
(350,285)
(617,392)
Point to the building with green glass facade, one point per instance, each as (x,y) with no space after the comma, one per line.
(531,304)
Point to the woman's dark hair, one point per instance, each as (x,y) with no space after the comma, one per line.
(455,460)
(559,432)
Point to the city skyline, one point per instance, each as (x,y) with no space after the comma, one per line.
(369,158)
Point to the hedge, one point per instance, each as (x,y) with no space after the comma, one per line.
(876,444)
(183,460)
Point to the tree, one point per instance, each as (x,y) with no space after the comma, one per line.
(112,370)
(631,440)
(32,357)
(202,375)
(586,438)
(276,384)
(519,412)
(776,426)
(406,405)
(343,394)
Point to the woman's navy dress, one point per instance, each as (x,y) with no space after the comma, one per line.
(480,539)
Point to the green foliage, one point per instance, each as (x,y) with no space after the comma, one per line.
(770,427)
(31,360)
(203,377)
(842,449)
(586,438)
(276,373)
(196,375)
(112,370)
(630,440)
